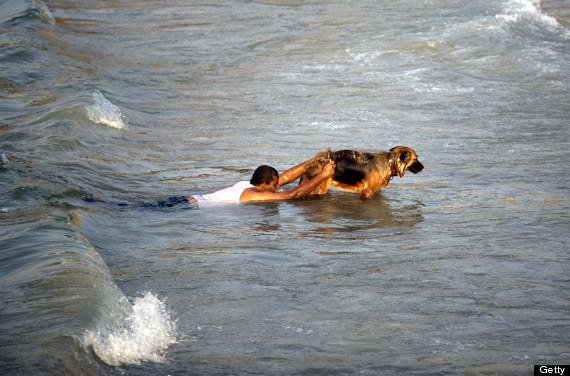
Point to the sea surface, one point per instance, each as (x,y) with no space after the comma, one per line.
(462,269)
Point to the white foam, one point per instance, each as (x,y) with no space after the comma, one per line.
(145,336)
(44,13)
(366,58)
(518,10)
(104,112)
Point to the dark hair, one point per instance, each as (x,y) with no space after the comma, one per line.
(263,174)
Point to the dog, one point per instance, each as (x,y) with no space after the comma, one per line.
(363,173)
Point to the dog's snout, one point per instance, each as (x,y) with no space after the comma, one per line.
(416,167)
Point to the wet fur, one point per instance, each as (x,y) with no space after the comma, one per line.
(363,173)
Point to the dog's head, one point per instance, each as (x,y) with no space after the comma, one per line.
(405,158)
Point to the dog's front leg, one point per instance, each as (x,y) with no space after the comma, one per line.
(366,194)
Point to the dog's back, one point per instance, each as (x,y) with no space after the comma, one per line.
(351,166)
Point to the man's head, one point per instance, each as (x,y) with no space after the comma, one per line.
(265,178)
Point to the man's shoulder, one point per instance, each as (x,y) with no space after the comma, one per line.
(248,194)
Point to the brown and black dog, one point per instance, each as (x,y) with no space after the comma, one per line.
(363,173)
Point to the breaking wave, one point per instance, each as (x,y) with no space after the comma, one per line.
(104,112)
(147,332)
(518,10)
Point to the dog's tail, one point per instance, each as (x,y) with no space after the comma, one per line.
(316,166)
(324,157)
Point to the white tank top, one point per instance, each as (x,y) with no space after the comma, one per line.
(229,195)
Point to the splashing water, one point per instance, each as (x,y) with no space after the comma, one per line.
(43,11)
(527,9)
(105,112)
(148,332)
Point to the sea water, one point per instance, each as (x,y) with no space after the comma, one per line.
(459,270)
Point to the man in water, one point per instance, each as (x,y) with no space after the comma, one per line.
(264,185)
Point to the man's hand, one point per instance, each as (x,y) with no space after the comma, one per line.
(329,168)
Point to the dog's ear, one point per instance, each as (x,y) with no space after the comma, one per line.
(403,157)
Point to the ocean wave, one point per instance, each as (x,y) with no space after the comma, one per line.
(49,271)
(104,112)
(14,10)
(521,10)
(43,12)
(144,336)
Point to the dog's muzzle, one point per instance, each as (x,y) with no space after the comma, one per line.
(416,167)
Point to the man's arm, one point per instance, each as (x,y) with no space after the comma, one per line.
(295,172)
(253,195)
